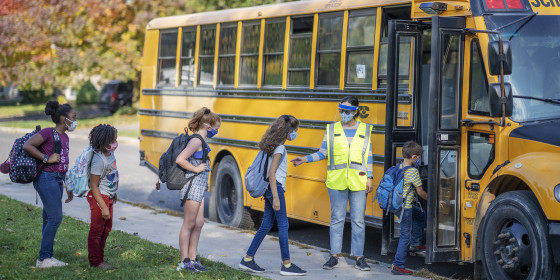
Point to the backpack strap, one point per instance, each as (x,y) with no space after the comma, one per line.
(204,146)
(57,145)
(267,167)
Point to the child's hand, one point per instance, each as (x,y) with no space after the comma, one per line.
(200,168)
(54,158)
(276,203)
(114,199)
(299,160)
(70,196)
(105,213)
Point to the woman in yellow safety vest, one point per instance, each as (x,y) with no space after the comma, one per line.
(347,147)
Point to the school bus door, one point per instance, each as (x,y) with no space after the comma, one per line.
(444,140)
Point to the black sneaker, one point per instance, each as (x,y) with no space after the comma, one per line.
(362,265)
(250,266)
(293,270)
(331,263)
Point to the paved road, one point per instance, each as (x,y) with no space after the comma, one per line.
(137,185)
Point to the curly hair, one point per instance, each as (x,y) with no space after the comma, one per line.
(202,116)
(277,133)
(56,110)
(101,136)
(411,148)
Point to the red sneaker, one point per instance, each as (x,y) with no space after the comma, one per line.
(417,248)
(400,271)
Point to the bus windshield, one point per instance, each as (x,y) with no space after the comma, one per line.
(535,45)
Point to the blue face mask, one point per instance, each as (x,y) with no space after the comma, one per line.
(293,135)
(211,133)
(417,163)
(345,118)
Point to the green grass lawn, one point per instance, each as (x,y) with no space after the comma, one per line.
(20,239)
(134,133)
(82,123)
(16,110)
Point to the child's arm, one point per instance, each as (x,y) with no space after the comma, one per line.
(272,180)
(193,145)
(420,191)
(94,188)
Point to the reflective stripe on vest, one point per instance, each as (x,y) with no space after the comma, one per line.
(347,164)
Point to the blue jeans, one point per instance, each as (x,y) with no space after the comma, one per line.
(339,203)
(268,221)
(412,230)
(49,187)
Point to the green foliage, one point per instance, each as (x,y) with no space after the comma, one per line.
(88,94)
(35,97)
(126,110)
(134,257)
(82,123)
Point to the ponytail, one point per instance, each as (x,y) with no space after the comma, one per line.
(202,116)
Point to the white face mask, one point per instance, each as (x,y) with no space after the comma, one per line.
(72,125)
(345,118)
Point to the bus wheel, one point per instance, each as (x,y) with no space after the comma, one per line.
(229,195)
(515,241)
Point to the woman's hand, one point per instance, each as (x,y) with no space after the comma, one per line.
(276,203)
(200,168)
(369,186)
(299,160)
(54,158)
(105,213)
(70,196)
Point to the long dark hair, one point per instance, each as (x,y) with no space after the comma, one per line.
(56,110)
(102,136)
(353,101)
(277,133)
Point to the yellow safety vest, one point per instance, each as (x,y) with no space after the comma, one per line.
(347,164)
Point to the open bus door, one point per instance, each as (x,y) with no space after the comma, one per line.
(443,240)
(402,109)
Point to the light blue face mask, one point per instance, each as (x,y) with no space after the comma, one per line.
(345,118)
(293,135)
(417,163)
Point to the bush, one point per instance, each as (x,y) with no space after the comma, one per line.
(87,94)
(126,110)
(34,97)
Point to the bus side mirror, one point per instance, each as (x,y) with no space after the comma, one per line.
(496,100)
(494,57)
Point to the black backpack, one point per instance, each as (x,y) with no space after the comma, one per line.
(169,171)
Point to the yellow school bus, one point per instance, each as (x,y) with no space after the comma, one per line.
(476,83)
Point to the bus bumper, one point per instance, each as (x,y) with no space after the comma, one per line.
(554,233)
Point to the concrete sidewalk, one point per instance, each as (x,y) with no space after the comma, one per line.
(216,243)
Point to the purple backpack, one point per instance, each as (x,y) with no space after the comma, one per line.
(23,167)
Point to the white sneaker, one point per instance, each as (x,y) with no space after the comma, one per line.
(49,262)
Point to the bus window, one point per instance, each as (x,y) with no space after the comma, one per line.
(451,73)
(226,55)
(481,153)
(206,56)
(328,49)
(274,51)
(250,40)
(359,47)
(401,12)
(478,98)
(187,57)
(167,58)
(405,108)
(447,197)
(300,51)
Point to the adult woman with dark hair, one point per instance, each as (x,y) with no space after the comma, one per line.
(54,163)
(346,145)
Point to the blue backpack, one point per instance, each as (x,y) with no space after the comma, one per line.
(390,191)
(256,178)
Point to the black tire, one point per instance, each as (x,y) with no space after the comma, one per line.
(515,243)
(228,196)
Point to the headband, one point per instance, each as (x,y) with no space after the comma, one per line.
(286,118)
(346,107)
(207,111)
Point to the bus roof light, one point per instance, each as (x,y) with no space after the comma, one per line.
(495,4)
(514,4)
(433,8)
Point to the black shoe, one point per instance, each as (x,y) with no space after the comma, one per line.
(331,263)
(250,266)
(293,270)
(362,265)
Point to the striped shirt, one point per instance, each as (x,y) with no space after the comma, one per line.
(411,177)
(349,132)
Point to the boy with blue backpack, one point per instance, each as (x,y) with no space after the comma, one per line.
(413,217)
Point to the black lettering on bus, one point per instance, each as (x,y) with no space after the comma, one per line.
(545,5)
(536,4)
